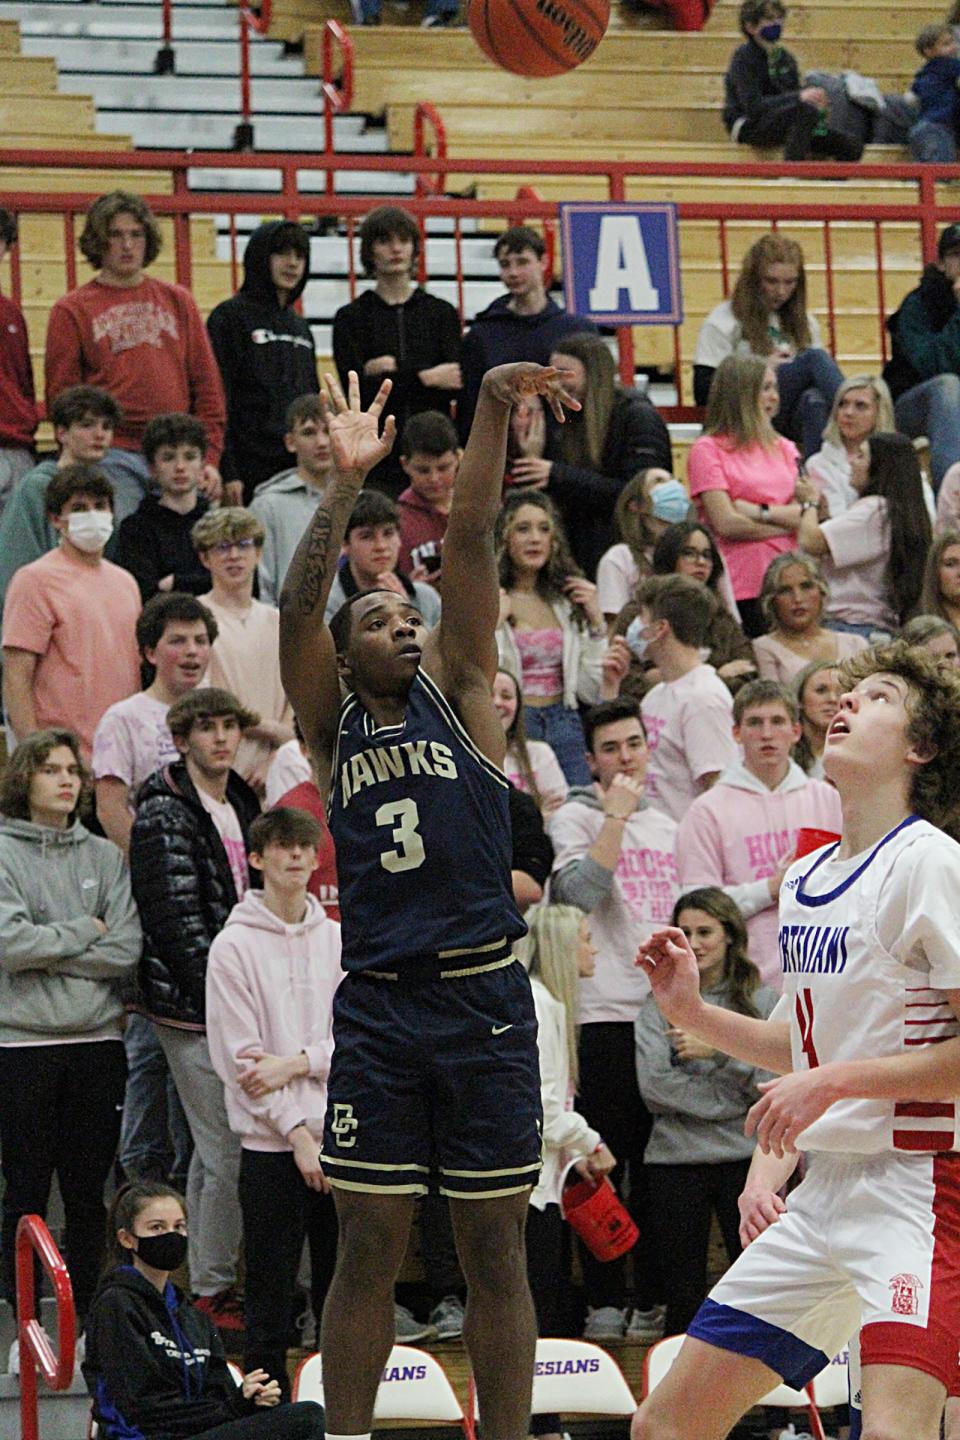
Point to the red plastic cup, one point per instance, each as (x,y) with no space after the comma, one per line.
(597,1214)
(809,838)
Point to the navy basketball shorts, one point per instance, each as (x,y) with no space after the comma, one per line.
(433,1072)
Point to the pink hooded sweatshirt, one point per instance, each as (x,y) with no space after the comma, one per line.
(737,834)
(270,989)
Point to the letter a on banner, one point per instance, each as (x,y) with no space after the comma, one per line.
(622,265)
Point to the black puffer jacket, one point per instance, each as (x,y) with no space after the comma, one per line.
(184,889)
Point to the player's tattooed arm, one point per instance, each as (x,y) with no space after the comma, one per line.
(471,593)
(308,662)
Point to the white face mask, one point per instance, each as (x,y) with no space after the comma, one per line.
(635,638)
(89,530)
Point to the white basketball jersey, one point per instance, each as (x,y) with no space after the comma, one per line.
(868,946)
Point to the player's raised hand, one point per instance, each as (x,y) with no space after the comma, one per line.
(669,964)
(355,437)
(513,384)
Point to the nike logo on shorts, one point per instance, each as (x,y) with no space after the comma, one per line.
(499,1029)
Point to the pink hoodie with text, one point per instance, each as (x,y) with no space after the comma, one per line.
(737,834)
(270,989)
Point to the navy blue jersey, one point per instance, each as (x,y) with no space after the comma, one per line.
(421,824)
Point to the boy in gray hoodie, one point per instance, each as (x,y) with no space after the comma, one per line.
(69,944)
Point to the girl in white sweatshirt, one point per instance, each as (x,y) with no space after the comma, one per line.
(557,952)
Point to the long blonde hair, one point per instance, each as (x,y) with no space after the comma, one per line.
(881,394)
(549,951)
(749,306)
(733,405)
(931,600)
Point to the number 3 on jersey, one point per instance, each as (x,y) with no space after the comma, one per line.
(409,854)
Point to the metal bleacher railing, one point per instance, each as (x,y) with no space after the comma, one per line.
(35,1243)
(304,187)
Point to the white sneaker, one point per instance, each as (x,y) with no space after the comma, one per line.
(605,1323)
(647,1325)
(13,1359)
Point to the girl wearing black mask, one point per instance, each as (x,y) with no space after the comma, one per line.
(154,1365)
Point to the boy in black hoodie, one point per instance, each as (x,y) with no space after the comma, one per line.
(154,542)
(265,352)
(397,329)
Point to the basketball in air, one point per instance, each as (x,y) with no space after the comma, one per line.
(538,37)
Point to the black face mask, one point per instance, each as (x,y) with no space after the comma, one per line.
(162,1252)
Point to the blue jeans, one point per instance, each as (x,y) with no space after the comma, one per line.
(873,633)
(933,143)
(154,1136)
(807,385)
(932,408)
(563,732)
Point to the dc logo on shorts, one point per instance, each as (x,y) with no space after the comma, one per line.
(344,1126)
(906,1294)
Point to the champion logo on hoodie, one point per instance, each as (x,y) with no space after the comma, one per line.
(267,337)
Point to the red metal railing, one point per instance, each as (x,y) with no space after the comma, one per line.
(36,1352)
(337,94)
(258,21)
(294,195)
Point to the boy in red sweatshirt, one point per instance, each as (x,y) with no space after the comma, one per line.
(430,457)
(271,978)
(18,408)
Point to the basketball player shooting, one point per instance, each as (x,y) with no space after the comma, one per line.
(435,1062)
(866,1043)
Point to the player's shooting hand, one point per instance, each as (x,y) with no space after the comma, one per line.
(759,1209)
(788,1105)
(511,384)
(671,967)
(354,433)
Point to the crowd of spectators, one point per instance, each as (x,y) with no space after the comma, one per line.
(669,663)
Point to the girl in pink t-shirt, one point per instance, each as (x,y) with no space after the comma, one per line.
(529,764)
(741,458)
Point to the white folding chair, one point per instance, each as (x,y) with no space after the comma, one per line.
(414,1386)
(574,1377)
(661,1356)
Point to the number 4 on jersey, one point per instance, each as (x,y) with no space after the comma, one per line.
(804,1008)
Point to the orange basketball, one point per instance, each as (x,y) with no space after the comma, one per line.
(538,37)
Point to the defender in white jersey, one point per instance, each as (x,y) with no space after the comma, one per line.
(866,1042)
